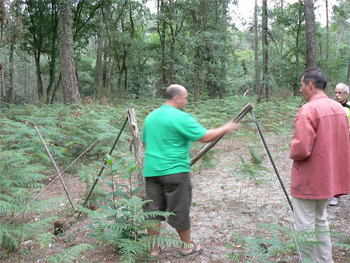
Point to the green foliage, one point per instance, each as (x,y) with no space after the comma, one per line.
(24,164)
(235,255)
(281,243)
(120,222)
(147,48)
(207,159)
(72,254)
(13,234)
(123,222)
(123,225)
(253,170)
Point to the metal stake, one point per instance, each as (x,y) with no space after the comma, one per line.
(103,167)
(273,163)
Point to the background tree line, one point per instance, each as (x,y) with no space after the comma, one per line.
(65,50)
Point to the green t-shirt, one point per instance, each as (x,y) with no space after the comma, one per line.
(167,134)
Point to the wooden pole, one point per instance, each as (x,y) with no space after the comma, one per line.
(57,170)
(136,140)
(210,145)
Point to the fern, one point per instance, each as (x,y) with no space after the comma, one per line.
(71,254)
(278,244)
(256,158)
(11,235)
(125,227)
(123,223)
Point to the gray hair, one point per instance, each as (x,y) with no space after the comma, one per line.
(343,85)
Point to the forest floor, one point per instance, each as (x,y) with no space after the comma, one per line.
(227,208)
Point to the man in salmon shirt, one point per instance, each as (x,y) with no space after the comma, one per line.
(321,168)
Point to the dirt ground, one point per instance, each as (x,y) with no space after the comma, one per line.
(224,209)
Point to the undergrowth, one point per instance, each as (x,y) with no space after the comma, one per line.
(88,131)
(121,221)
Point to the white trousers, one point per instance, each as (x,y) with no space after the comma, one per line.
(312,215)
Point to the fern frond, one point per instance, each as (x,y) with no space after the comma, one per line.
(5,207)
(343,245)
(71,254)
(256,158)
(131,250)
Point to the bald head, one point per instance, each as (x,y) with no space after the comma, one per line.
(176,96)
(172,90)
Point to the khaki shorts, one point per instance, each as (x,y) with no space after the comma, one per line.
(172,193)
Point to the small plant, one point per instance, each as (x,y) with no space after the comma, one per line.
(277,245)
(122,222)
(207,159)
(282,243)
(253,170)
(70,255)
(237,248)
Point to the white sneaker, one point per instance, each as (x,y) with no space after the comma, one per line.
(334,201)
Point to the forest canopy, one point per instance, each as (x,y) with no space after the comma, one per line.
(67,50)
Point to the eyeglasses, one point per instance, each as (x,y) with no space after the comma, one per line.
(339,92)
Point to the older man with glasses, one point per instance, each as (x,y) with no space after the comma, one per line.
(341,95)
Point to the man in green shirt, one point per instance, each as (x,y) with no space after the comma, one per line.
(167,135)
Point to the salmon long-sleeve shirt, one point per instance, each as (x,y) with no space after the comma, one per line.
(320,150)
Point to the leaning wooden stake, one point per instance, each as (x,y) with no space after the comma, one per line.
(136,140)
(210,145)
(57,170)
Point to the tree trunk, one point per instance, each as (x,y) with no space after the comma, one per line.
(38,77)
(162,35)
(69,78)
(109,70)
(9,97)
(264,86)
(278,70)
(222,88)
(2,17)
(53,55)
(310,34)
(340,36)
(2,83)
(296,81)
(256,49)
(13,39)
(197,18)
(99,71)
